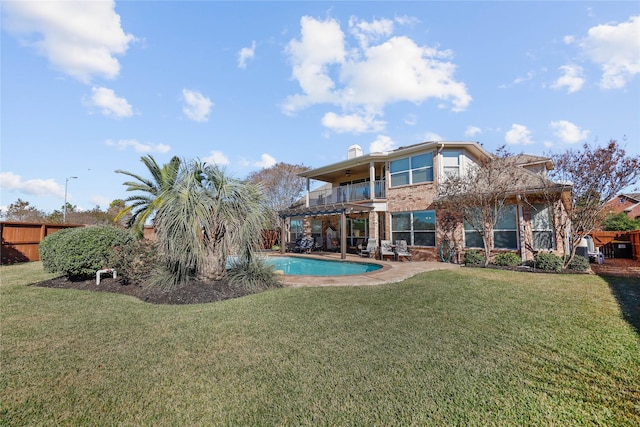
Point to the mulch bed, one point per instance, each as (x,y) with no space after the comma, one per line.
(195,292)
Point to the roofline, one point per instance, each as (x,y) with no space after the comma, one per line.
(384,156)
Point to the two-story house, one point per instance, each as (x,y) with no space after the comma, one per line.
(391,195)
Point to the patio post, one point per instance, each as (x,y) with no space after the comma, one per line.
(343,234)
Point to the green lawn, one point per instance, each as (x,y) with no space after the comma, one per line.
(460,347)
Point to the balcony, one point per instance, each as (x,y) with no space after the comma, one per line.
(347,193)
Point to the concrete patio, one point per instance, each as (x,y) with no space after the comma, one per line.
(391,271)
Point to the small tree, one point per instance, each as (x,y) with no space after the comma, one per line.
(620,222)
(480,193)
(595,174)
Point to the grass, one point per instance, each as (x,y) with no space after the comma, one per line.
(461,347)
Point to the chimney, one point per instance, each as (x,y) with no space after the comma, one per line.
(354,151)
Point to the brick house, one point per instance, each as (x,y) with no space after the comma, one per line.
(628,203)
(391,195)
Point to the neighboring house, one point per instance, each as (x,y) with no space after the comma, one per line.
(391,196)
(627,203)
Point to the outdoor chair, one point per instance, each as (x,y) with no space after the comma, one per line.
(370,250)
(386,249)
(402,250)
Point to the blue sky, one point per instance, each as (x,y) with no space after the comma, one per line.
(90,87)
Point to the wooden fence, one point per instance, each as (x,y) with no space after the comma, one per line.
(618,244)
(20,240)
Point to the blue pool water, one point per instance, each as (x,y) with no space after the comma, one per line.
(298,266)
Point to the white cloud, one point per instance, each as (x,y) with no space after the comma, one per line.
(266,161)
(568,132)
(616,48)
(245,54)
(197,106)
(518,134)
(411,120)
(472,131)
(432,136)
(110,104)
(381,144)
(216,157)
(123,144)
(101,201)
(572,79)
(39,187)
(363,80)
(79,38)
(351,123)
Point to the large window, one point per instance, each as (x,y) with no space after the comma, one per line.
(295,230)
(542,227)
(451,164)
(418,228)
(411,170)
(505,232)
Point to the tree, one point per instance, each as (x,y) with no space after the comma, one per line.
(204,218)
(22,211)
(478,195)
(281,187)
(144,205)
(620,222)
(595,174)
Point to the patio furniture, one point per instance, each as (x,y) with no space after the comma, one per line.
(386,249)
(402,250)
(370,250)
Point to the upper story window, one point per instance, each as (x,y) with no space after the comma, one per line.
(411,170)
(451,163)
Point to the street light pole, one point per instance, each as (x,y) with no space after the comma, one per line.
(64,210)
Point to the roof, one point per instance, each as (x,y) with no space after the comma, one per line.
(334,171)
(530,159)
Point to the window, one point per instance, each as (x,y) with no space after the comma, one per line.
(541,224)
(505,232)
(451,163)
(411,170)
(295,230)
(316,230)
(418,228)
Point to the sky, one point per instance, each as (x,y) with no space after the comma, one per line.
(88,88)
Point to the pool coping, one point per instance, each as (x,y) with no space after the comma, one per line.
(391,271)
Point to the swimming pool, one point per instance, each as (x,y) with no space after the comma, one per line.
(298,266)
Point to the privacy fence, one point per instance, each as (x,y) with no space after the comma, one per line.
(618,244)
(20,240)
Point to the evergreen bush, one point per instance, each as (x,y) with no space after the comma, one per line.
(578,263)
(251,274)
(473,257)
(135,260)
(80,252)
(508,259)
(547,261)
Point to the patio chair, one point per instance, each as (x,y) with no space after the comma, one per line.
(370,250)
(386,249)
(402,250)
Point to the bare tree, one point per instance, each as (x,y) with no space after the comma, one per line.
(480,194)
(596,174)
(281,188)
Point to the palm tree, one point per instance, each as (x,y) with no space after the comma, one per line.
(205,217)
(143,206)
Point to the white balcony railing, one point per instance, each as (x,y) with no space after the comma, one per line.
(347,193)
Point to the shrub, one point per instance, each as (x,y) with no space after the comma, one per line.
(578,263)
(80,252)
(547,261)
(474,257)
(508,259)
(251,274)
(135,260)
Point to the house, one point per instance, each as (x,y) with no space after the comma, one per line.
(392,195)
(628,203)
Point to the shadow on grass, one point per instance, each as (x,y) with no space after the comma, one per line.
(627,292)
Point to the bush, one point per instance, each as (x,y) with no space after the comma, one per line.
(578,263)
(135,261)
(508,259)
(80,252)
(252,275)
(547,261)
(474,257)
